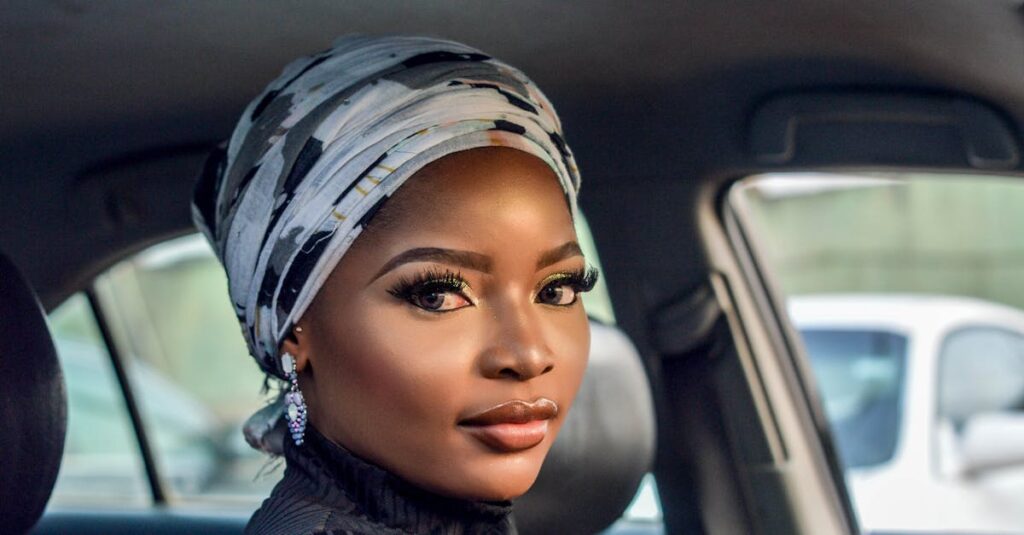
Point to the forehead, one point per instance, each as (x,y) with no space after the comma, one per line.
(490,186)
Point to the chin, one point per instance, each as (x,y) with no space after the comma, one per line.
(495,480)
(502,488)
(487,475)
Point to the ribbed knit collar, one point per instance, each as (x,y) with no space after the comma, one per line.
(339,479)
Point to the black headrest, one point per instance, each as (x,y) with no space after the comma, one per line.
(33,404)
(605,447)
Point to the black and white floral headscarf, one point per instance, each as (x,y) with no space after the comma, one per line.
(317,153)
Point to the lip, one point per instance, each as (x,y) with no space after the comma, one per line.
(512,426)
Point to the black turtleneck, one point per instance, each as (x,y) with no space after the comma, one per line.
(328,490)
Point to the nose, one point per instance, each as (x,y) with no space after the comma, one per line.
(519,350)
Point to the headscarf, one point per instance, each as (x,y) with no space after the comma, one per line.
(317,153)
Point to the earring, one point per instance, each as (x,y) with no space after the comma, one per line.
(295,405)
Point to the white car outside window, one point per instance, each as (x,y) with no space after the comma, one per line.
(925,395)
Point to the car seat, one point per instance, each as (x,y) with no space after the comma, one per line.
(603,450)
(33,404)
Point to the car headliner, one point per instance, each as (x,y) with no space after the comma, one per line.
(109,106)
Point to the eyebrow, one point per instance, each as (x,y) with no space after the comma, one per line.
(568,249)
(466,259)
(470,259)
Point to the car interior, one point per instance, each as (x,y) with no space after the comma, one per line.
(110,108)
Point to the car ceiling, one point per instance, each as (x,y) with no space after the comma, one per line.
(109,106)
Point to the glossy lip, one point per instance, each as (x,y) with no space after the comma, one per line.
(512,426)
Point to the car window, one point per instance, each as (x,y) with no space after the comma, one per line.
(907,295)
(183,352)
(189,368)
(102,463)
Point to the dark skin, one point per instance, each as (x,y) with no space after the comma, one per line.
(389,372)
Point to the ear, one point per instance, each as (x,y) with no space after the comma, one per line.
(297,342)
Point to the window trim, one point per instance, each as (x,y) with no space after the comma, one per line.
(152,473)
(783,340)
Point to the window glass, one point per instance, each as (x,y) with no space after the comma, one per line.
(102,463)
(190,370)
(907,291)
(646,505)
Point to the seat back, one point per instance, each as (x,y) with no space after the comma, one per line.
(33,404)
(604,448)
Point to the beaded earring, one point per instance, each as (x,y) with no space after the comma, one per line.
(295,405)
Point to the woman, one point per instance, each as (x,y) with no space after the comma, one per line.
(395,216)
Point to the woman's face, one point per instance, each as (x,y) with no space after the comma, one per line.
(450,341)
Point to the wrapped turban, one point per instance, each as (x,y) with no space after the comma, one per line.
(317,153)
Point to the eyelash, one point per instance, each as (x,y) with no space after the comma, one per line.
(581,280)
(433,280)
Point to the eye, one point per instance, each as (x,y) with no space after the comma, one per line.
(557,293)
(563,289)
(433,291)
(438,298)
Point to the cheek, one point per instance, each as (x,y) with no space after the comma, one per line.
(569,339)
(393,376)
(410,359)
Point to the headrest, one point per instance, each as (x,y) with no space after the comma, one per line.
(605,447)
(33,404)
